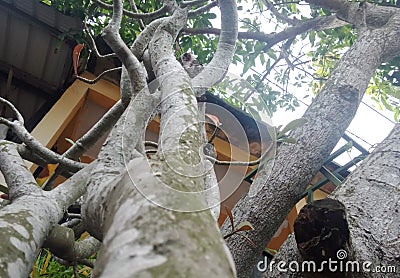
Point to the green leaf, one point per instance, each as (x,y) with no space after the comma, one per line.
(289,140)
(397,115)
(69,141)
(312,38)
(386,104)
(244,226)
(293,124)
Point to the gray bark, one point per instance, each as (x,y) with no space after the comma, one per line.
(26,222)
(371,197)
(127,196)
(144,227)
(328,117)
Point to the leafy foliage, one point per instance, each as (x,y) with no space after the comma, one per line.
(277,72)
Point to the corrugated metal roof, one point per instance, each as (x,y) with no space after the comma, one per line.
(34,63)
(45,14)
(29,42)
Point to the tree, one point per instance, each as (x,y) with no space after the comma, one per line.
(374,182)
(139,236)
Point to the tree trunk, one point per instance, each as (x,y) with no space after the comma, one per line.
(372,200)
(153,217)
(327,118)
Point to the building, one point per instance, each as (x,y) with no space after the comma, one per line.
(36,75)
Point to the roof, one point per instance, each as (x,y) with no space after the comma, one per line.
(35,61)
(30,42)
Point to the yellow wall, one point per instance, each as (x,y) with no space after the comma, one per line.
(65,114)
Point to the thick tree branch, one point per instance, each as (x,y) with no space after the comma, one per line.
(135,70)
(192,3)
(143,39)
(217,68)
(359,14)
(61,242)
(69,191)
(35,152)
(168,250)
(18,178)
(116,152)
(319,23)
(100,128)
(28,220)
(120,145)
(211,189)
(42,151)
(18,115)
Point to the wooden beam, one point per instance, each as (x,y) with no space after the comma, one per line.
(52,125)
(54,122)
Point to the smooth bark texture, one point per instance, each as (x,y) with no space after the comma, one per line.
(26,222)
(150,213)
(327,118)
(122,205)
(145,240)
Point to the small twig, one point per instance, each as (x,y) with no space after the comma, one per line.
(283,55)
(76,270)
(184,4)
(94,47)
(246,97)
(279,15)
(135,10)
(153,15)
(92,81)
(216,131)
(41,150)
(18,115)
(202,9)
